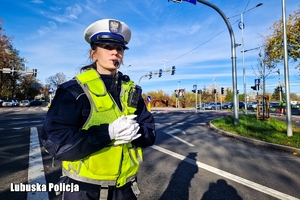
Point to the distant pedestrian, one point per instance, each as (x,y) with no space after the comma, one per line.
(282,107)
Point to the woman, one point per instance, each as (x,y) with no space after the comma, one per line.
(98,123)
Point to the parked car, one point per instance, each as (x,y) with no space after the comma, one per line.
(251,104)
(201,107)
(25,103)
(225,105)
(1,101)
(16,103)
(35,102)
(274,105)
(213,105)
(241,105)
(8,103)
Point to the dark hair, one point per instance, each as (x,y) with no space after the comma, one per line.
(93,65)
(88,67)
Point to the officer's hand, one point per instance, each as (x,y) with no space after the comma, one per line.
(123,128)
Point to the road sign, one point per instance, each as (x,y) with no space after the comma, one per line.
(51,90)
(148,98)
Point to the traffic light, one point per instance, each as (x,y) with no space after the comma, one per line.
(12,71)
(255,87)
(199,91)
(280,89)
(34,72)
(150,75)
(194,91)
(222,90)
(237,91)
(215,91)
(173,70)
(160,73)
(176,93)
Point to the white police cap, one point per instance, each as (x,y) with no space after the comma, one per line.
(108,31)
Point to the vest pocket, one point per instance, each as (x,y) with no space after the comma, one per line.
(135,155)
(105,162)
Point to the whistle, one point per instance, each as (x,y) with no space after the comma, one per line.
(116,63)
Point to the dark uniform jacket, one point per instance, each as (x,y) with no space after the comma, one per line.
(62,136)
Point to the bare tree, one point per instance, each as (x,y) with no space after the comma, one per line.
(56,80)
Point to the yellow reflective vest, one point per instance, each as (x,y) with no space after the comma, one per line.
(113,165)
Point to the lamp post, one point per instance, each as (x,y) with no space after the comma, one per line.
(286,75)
(233,55)
(233,58)
(242,26)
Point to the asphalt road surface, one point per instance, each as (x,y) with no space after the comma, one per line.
(188,161)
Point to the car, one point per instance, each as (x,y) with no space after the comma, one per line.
(35,102)
(16,103)
(25,103)
(8,103)
(241,105)
(201,107)
(251,104)
(213,105)
(225,105)
(274,105)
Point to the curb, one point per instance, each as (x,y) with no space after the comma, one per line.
(256,142)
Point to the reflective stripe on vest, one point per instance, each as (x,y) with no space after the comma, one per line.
(118,163)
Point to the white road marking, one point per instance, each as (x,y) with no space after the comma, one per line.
(36,168)
(232,177)
(174,130)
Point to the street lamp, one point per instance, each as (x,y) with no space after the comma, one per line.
(242,26)
(233,54)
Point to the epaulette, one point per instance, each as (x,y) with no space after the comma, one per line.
(73,87)
(67,84)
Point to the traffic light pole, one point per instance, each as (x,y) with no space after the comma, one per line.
(8,71)
(233,57)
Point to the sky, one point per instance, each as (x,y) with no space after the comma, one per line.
(193,38)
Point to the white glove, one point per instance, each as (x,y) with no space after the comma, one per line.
(124,128)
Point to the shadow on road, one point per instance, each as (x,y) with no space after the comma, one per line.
(220,190)
(180,182)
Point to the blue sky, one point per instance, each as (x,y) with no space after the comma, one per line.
(193,38)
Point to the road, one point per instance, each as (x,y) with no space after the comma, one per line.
(188,161)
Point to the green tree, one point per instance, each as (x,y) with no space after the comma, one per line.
(273,43)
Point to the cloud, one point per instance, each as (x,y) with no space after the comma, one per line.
(37,1)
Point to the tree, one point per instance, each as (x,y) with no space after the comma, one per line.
(9,58)
(56,80)
(273,43)
(27,87)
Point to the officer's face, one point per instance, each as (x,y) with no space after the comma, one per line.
(108,58)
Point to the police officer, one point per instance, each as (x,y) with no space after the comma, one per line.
(98,123)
